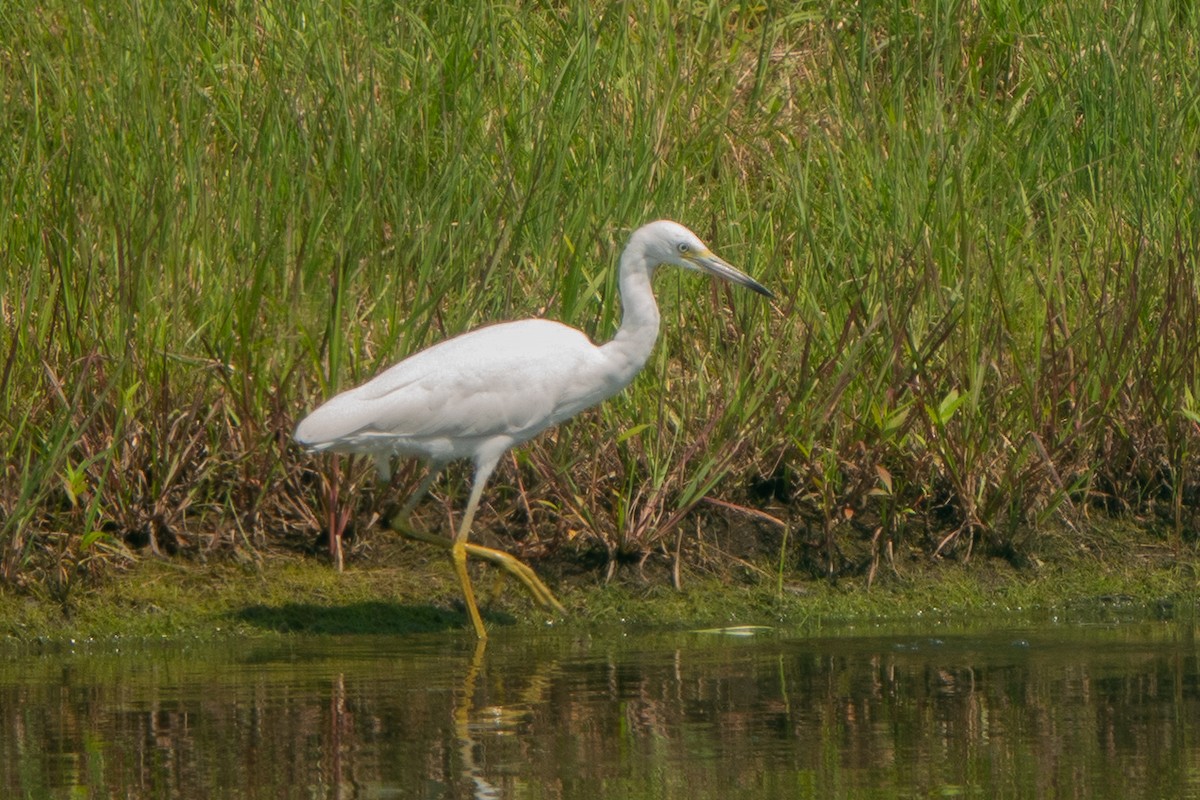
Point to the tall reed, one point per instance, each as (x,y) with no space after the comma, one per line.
(980,219)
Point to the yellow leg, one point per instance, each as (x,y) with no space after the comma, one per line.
(458,556)
(510,564)
(514,566)
(459,547)
(522,572)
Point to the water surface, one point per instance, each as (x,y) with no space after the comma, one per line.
(1099,710)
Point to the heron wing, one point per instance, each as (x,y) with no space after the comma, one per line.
(513,379)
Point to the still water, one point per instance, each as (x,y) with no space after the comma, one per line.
(1046,710)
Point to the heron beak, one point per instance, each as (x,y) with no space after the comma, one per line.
(717,267)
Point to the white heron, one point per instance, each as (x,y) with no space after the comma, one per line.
(480,393)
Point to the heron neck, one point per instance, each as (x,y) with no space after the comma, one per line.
(631,346)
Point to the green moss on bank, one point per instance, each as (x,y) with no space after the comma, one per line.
(407,590)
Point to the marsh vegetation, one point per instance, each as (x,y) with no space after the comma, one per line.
(980,220)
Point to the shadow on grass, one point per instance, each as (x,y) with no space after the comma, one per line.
(362,618)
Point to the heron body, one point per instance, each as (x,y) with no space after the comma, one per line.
(480,393)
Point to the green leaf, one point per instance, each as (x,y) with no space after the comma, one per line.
(949,405)
(632,432)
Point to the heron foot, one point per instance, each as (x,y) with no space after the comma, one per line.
(510,564)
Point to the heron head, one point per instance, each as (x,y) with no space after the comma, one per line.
(666,242)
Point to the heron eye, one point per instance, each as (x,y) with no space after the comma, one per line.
(684,248)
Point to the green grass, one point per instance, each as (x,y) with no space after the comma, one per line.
(408,590)
(980,220)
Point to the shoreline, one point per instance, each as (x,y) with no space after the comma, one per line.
(405,590)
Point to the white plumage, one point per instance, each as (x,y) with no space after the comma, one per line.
(478,394)
(509,381)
